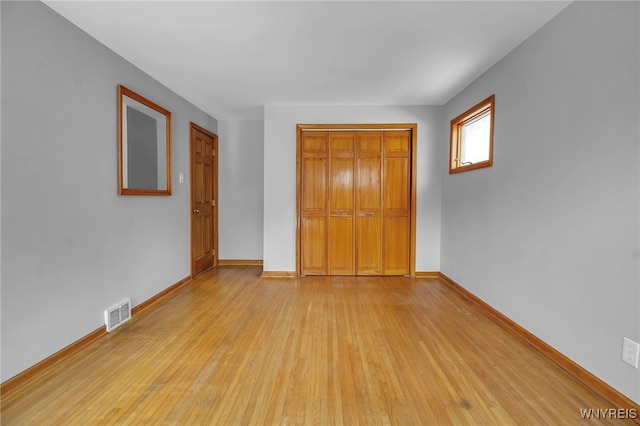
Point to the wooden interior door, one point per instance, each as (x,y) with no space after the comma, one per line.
(341,203)
(396,202)
(368,195)
(314,203)
(204,145)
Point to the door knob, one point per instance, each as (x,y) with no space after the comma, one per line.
(196,211)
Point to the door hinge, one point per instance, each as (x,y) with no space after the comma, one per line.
(213,252)
(213,203)
(213,152)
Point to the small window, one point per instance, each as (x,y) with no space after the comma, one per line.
(472,138)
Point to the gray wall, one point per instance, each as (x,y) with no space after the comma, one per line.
(240,188)
(549,235)
(71,246)
(0,194)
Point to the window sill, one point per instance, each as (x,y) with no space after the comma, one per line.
(469,167)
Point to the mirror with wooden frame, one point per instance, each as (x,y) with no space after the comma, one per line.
(144,146)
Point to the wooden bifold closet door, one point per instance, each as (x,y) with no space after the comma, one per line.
(355,212)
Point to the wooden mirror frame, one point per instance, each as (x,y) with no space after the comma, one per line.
(128,98)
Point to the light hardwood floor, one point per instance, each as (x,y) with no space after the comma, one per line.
(233,348)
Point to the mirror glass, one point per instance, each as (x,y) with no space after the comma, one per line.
(144,145)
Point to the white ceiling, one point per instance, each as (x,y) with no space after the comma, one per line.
(230,58)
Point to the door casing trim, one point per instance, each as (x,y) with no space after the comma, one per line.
(413,127)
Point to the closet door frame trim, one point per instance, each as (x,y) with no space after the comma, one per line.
(413,127)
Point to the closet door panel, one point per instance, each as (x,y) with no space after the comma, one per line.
(341,203)
(314,142)
(369,203)
(370,141)
(314,192)
(396,187)
(341,228)
(396,203)
(369,184)
(368,245)
(341,246)
(314,248)
(396,245)
(341,195)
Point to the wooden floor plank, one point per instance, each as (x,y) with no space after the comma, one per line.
(231,347)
